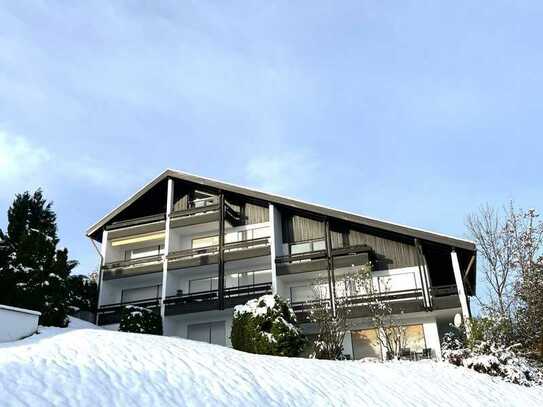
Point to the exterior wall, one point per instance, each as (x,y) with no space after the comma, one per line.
(17,323)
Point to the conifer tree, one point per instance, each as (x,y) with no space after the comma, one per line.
(33,271)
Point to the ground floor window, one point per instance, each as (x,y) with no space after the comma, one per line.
(366,342)
(210,332)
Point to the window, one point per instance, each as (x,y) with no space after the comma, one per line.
(366,344)
(307,292)
(203,284)
(304,247)
(200,242)
(236,279)
(212,332)
(143,252)
(141,293)
(414,335)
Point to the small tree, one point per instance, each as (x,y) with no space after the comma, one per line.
(267,326)
(391,334)
(140,320)
(331,323)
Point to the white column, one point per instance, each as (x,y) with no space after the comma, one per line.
(273,252)
(103,253)
(169,204)
(460,288)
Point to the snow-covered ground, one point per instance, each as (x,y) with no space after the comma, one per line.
(94,367)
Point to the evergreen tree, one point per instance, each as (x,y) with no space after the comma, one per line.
(83,293)
(32,270)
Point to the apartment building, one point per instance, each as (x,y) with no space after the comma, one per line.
(192,248)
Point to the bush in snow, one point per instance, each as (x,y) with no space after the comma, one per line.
(488,356)
(140,320)
(267,326)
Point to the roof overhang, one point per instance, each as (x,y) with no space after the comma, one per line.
(289,202)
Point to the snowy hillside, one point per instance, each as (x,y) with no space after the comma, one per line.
(89,367)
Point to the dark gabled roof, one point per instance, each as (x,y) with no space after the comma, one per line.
(288,202)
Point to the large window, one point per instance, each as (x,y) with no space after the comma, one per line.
(141,293)
(366,341)
(203,284)
(200,242)
(304,247)
(414,335)
(308,292)
(366,344)
(237,279)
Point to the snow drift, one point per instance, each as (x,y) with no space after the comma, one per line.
(89,367)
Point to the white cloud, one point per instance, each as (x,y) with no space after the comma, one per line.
(25,166)
(19,159)
(283,172)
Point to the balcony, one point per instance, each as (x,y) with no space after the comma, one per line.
(203,211)
(132,267)
(209,300)
(111,313)
(317,259)
(244,249)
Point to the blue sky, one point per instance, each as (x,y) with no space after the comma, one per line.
(412,111)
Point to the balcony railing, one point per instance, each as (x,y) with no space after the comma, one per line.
(232,250)
(208,300)
(111,313)
(208,206)
(137,221)
(133,262)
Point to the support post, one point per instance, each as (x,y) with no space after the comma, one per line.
(460,289)
(423,273)
(273,250)
(221,251)
(330,263)
(169,205)
(103,253)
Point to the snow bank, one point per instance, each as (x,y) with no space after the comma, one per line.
(90,367)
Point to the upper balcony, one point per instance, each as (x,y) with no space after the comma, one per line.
(203,248)
(132,267)
(203,210)
(311,256)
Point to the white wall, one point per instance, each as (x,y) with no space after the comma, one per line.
(17,323)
